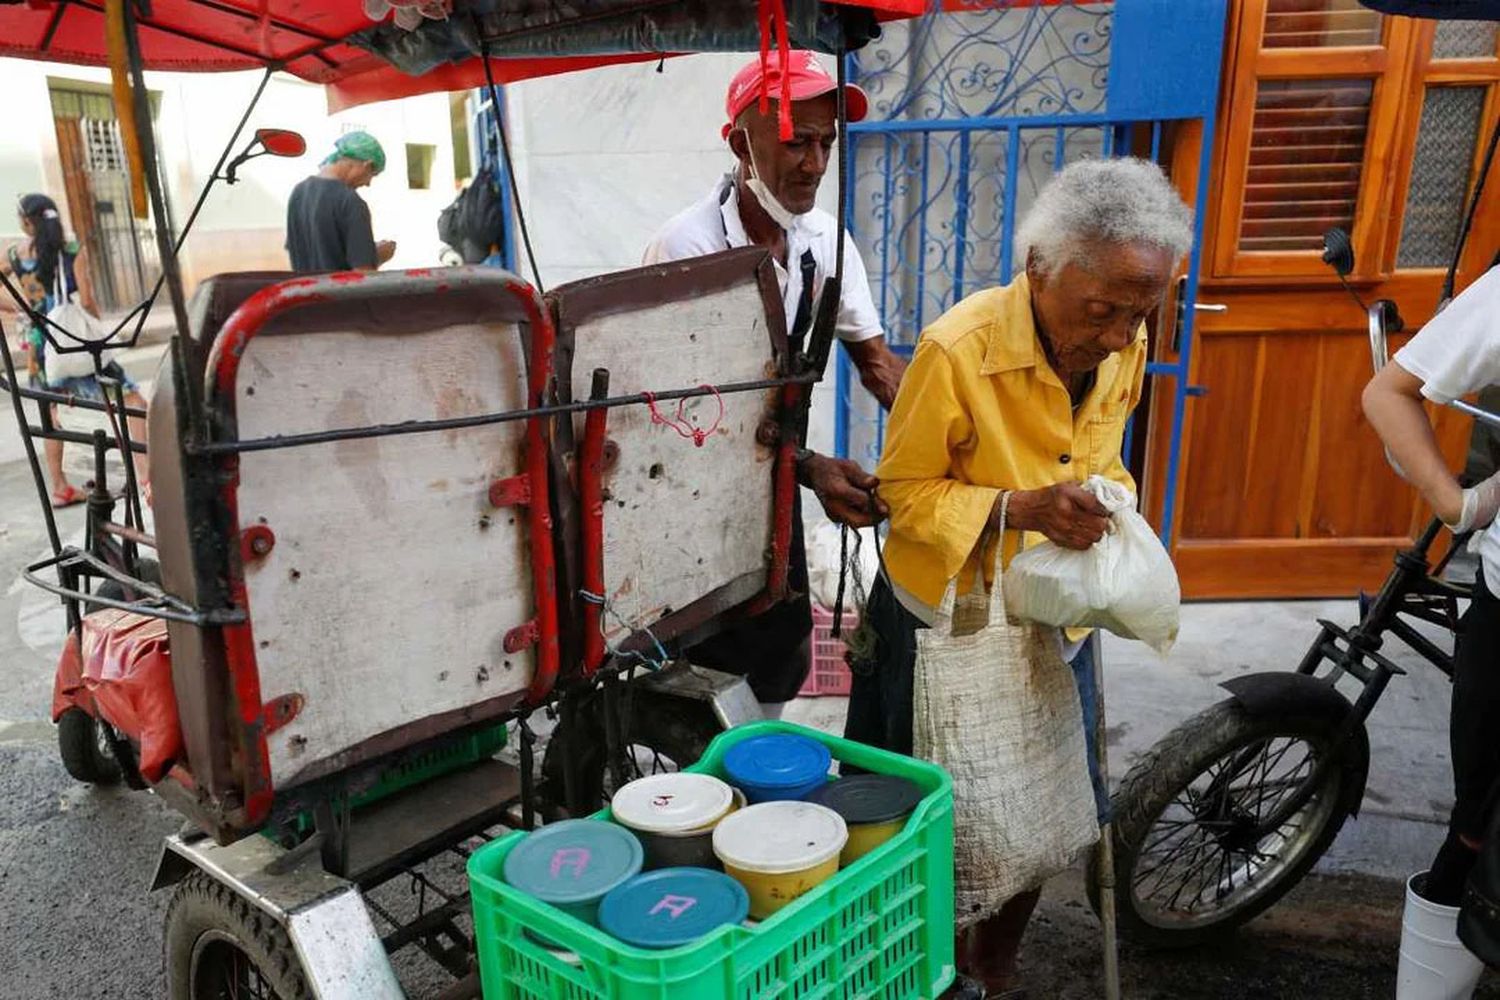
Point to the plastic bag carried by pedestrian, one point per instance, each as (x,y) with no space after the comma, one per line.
(70,315)
(1124,583)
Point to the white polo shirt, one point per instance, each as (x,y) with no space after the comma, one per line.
(713,225)
(1456,353)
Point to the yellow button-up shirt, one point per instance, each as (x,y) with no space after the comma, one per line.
(980,410)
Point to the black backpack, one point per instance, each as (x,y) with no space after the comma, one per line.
(475,221)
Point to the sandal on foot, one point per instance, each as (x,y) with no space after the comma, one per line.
(67,497)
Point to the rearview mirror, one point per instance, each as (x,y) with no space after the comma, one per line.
(267,141)
(1338,252)
(281,141)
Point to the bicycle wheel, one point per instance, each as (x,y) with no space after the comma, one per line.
(1191,863)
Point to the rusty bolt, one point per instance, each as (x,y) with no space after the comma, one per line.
(768,433)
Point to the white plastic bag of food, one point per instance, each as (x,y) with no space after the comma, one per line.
(1124,583)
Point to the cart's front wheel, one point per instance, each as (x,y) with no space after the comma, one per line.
(1192,858)
(84,747)
(219,947)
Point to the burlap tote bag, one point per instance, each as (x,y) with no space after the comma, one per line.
(995,705)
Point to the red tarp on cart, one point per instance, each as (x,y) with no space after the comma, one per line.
(336,43)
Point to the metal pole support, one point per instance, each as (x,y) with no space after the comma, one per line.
(1106,866)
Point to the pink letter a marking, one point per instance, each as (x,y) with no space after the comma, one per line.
(675,905)
(575,857)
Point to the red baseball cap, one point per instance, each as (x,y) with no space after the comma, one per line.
(806,78)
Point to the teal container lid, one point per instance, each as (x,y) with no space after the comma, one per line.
(777,760)
(672,907)
(574,861)
(869,798)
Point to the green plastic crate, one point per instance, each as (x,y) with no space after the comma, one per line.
(479,745)
(881,928)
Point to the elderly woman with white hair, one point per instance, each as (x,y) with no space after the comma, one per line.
(1017,394)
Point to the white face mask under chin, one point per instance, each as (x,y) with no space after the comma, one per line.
(779,213)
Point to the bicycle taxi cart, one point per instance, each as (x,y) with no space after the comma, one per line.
(394,511)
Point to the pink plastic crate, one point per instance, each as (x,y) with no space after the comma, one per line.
(829,674)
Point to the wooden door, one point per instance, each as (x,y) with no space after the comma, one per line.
(1331,115)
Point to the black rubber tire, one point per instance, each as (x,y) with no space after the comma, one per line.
(149,571)
(676,728)
(90,761)
(78,743)
(1182,756)
(205,918)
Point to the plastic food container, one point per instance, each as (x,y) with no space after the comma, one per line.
(874,806)
(777,766)
(672,907)
(673,815)
(574,864)
(780,850)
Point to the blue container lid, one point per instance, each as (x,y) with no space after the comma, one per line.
(869,798)
(574,861)
(672,907)
(777,760)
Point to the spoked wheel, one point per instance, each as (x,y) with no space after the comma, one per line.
(661,736)
(1193,856)
(84,745)
(219,947)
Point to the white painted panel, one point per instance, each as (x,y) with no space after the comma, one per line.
(679,520)
(392,582)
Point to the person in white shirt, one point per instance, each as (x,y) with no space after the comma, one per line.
(768,200)
(1456,353)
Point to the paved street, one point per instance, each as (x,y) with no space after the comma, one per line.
(75,920)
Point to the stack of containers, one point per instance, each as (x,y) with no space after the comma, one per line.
(780,825)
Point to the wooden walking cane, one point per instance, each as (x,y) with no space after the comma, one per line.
(1106,866)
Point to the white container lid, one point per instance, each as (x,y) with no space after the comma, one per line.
(672,803)
(777,837)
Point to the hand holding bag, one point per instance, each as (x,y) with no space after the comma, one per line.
(998,708)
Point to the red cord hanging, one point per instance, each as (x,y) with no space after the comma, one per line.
(680,423)
(773,17)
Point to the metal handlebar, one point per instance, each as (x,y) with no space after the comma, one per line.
(1379,353)
(1379,316)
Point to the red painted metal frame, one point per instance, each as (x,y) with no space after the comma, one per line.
(591,493)
(784,494)
(222,373)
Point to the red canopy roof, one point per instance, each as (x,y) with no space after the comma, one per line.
(304,37)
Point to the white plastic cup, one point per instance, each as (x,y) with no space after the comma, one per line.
(1434,964)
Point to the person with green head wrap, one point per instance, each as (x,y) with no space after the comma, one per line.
(328,225)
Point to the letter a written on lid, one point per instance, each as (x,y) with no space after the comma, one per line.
(576,858)
(675,905)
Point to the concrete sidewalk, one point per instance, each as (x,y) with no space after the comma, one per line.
(1410,788)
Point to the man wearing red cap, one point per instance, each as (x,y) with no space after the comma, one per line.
(768,200)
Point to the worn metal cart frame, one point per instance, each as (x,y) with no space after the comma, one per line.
(314,884)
